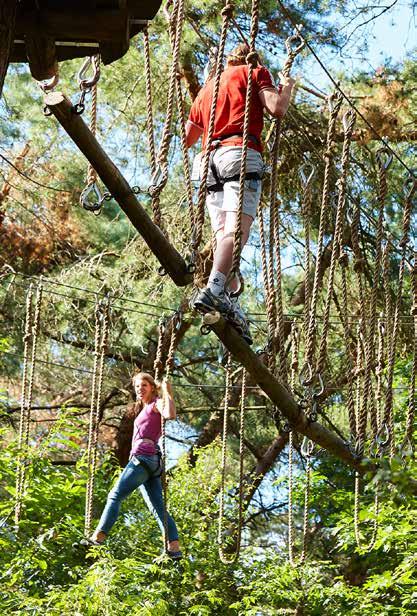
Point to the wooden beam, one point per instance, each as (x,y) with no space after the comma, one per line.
(170,259)
(41,54)
(80,25)
(8,9)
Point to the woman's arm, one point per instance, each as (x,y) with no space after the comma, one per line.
(276,101)
(166,404)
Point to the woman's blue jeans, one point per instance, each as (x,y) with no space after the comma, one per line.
(132,477)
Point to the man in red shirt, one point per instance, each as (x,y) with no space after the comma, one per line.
(224,169)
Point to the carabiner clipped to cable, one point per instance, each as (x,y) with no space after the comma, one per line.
(91,198)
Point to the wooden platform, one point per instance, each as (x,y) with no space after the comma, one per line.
(49,31)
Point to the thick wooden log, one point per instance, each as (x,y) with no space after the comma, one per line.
(42,58)
(8,9)
(168,256)
(282,398)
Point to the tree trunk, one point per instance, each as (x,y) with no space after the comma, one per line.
(8,9)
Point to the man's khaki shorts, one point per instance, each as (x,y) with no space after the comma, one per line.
(227,163)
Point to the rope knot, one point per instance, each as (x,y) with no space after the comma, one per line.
(227,11)
(252,58)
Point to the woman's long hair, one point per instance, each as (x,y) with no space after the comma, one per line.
(155,388)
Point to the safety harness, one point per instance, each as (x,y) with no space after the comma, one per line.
(220,181)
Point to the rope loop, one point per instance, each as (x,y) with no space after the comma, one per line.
(227,11)
(294,43)
(348,121)
(252,58)
(307,172)
(383,158)
(334,102)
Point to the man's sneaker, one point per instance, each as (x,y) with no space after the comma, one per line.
(239,321)
(206,301)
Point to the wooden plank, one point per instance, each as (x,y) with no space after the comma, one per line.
(8,9)
(80,25)
(79,132)
(42,58)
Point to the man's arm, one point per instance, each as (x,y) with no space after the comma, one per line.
(276,102)
(192,133)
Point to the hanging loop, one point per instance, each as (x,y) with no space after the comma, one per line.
(334,101)
(307,447)
(384,157)
(348,120)
(91,64)
(306,375)
(307,172)
(91,198)
(294,44)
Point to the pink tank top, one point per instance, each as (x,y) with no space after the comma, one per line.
(147,425)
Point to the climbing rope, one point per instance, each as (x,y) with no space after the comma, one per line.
(225,555)
(175,325)
(306,451)
(196,238)
(30,341)
(348,125)
(334,104)
(408,445)
(252,62)
(102,317)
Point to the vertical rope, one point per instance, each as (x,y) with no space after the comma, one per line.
(226,13)
(411,188)
(408,443)
(30,340)
(102,315)
(334,104)
(348,125)
(252,61)
(148,94)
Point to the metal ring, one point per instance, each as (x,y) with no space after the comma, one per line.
(96,205)
(205,329)
(47,111)
(162,271)
(78,108)
(191,268)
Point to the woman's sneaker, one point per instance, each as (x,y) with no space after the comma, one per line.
(206,301)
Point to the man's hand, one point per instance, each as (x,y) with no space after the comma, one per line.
(276,101)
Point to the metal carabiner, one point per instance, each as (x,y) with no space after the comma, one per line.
(307,447)
(316,394)
(384,157)
(92,190)
(383,436)
(177,320)
(84,82)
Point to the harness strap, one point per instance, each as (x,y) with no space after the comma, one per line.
(218,186)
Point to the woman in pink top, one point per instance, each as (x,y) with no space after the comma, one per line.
(144,467)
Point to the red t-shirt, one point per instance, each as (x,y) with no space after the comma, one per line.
(230,110)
